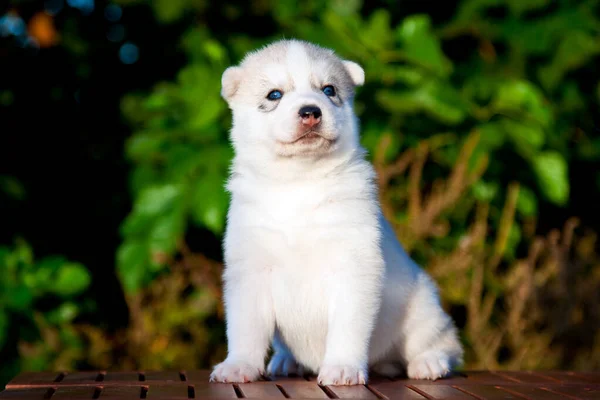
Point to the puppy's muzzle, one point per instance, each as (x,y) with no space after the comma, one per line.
(310,116)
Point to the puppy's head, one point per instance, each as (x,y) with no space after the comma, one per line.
(293,99)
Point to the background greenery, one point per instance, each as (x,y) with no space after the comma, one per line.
(479,115)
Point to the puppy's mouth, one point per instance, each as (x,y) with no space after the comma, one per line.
(310,136)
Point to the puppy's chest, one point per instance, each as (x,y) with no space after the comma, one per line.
(300,301)
(296,207)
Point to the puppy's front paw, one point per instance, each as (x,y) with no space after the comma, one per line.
(235,372)
(283,364)
(429,365)
(341,375)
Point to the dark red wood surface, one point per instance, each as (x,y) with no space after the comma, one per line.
(183,385)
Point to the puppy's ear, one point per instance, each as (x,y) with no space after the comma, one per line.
(230,82)
(356,72)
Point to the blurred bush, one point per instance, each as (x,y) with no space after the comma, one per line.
(39,302)
(472,122)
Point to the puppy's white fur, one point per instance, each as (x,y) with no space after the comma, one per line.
(312,266)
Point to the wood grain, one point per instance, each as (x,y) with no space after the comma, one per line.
(183,385)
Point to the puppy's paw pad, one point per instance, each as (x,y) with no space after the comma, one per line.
(341,375)
(429,365)
(235,372)
(284,364)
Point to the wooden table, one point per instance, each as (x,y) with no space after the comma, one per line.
(182,385)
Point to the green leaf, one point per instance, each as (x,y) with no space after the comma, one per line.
(166,231)
(520,98)
(142,177)
(527,137)
(493,135)
(574,50)
(65,313)
(160,98)
(518,7)
(513,240)
(184,160)
(572,100)
(199,87)
(132,261)
(72,279)
(23,254)
(18,298)
(391,152)
(552,173)
(437,99)
(41,279)
(169,10)
(157,199)
(345,7)
(527,202)
(485,191)
(214,50)
(136,225)
(408,75)
(376,33)
(210,203)
(421,46)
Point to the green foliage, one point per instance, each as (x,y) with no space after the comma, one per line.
(38,298)
(179,149)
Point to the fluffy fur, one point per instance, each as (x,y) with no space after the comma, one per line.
(312,266)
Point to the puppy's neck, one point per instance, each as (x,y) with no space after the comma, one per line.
(281,170)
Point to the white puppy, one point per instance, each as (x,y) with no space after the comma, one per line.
(310,262)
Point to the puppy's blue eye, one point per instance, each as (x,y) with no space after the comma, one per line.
(329,91)
(274,95)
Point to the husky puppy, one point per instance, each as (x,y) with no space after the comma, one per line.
(311,264)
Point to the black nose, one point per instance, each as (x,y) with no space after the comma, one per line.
(307,111)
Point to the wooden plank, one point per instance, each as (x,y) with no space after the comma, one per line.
(299,388)
(160,376)
(457,380)
(485,378)
(526,377)
(171,392)
(261,390)
(351,392)
(24,394)
(83,378)
(572,377)
(26,379)
(487,392)
(176,385)
(121,377)
(440,392)
(465,378)
(580,392)
(75,392)
(532,392)
(208,390)
(394,390)
(120,393)
(197,377)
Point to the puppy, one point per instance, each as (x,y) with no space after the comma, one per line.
(311,265)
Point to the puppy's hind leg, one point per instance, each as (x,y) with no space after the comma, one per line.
(430,345)
(283,362)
